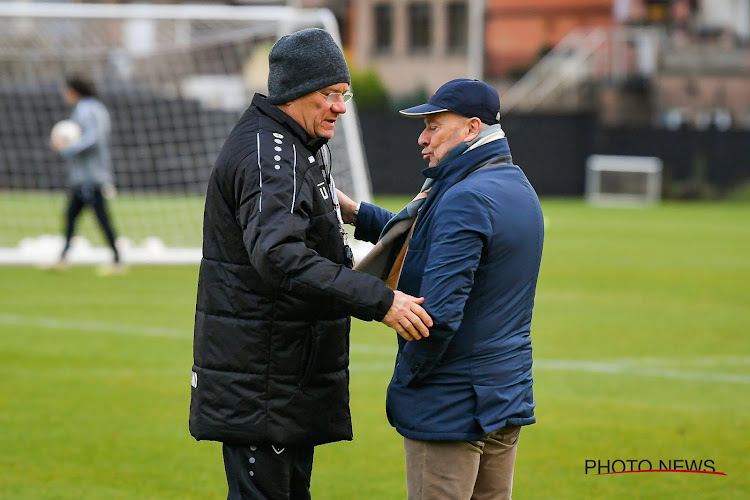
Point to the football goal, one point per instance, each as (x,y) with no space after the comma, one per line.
(623,180)
(175,78)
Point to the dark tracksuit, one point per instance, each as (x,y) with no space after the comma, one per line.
(90,169)
(275,296)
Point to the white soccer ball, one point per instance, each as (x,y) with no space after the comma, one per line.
(65,133)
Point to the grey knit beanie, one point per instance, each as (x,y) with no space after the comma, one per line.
(304,62)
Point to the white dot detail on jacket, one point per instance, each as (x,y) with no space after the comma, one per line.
(277,141)
(277,148)
(277,157)
(277,135)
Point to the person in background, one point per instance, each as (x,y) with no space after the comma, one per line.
(472,246)
(275,289)
(90,167)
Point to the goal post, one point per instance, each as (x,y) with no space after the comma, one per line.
(175,78)
(623,180)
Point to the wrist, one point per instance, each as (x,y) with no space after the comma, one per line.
(356,214)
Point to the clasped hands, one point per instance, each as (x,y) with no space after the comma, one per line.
(408,317)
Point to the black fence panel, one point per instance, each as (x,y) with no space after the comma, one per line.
(393,155)
(552,151)
(721,159)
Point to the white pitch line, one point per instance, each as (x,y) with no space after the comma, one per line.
(374,349)
(631,366)
(140,330)
(694,361)
(95,372)
(92,326)
(371,366)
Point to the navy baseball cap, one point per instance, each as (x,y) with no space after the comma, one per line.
(466,97)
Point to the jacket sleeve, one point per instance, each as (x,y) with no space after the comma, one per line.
(276,215)
(370,222)
(91,132)
(462,228)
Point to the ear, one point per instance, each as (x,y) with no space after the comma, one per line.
(474,126)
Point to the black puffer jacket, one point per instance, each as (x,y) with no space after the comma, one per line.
(271,346)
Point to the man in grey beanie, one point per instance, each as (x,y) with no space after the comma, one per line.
(276,290)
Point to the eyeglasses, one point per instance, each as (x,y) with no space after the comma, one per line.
(334,97)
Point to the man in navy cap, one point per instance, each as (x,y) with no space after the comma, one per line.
(472,247)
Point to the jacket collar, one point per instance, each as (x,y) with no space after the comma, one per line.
(458,165)
(313,144)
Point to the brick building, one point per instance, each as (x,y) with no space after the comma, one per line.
(424,43)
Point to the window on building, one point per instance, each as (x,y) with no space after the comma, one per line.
(458,27)
(383,28)
(420,26)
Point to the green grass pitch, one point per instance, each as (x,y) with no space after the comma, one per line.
(641,344)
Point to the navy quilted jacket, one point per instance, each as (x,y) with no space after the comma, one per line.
(475,257)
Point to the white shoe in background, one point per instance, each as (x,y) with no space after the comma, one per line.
(59,266)
(115,269)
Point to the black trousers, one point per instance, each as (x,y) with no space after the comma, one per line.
(80,197)
(268,472)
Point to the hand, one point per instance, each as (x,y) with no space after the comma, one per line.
(348,206)
(56,144)
(407,317)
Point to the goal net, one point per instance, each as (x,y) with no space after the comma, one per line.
(175,78)
(623,180)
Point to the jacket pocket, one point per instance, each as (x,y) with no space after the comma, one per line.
(310,356)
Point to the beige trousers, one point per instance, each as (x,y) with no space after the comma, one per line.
(462,470)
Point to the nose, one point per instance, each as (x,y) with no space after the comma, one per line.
(339,107)
(422,140)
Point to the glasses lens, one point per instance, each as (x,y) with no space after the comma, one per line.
(335,97)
